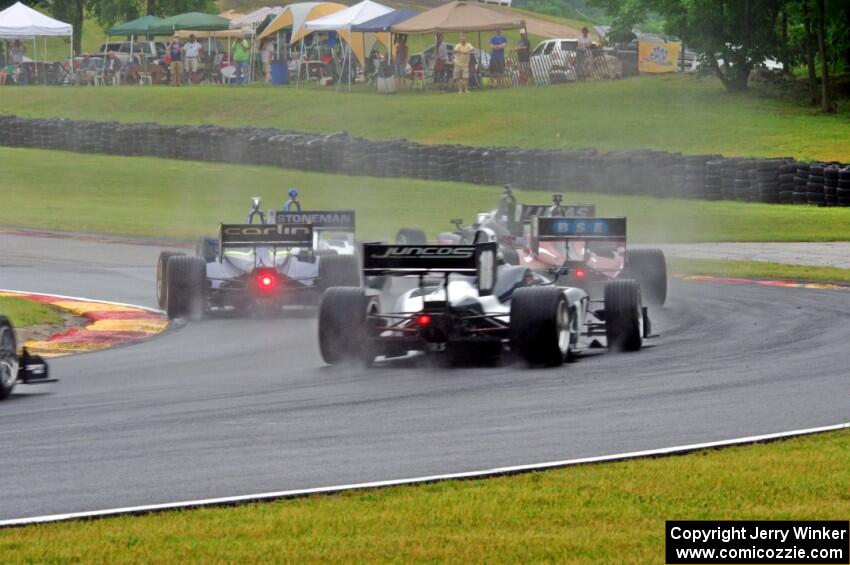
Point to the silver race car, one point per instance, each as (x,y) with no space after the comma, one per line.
(283,258)
(467,306)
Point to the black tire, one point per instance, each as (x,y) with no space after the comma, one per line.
(649,268)
(411,236)
(207,248)
(339,270)
(342,325)
(623,315)
(187,277)
(162,276)
(8,358)
(540,325)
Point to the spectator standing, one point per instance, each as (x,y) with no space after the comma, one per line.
(241,54)
(192,50)
(462,55)
(441,59)
(523,55)
(583,54)
(16,53)
(497,58)
(400,59)
(175,65)
(266,56)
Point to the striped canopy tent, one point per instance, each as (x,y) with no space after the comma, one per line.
(296,15)
(256,17)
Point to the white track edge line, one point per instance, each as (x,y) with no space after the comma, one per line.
(81,299)
(270,496)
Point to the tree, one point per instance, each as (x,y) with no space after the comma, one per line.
(826,105)
(72,11)
(111,12)
(732,36)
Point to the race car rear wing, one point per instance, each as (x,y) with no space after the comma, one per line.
(266,235)
(321,220)
(576,229)
(419,260)
(522,214)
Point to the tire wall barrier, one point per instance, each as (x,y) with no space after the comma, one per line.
(635,172)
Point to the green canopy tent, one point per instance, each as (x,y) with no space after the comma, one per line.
(192,21)
(139,26)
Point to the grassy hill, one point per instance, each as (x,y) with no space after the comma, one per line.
(672,113)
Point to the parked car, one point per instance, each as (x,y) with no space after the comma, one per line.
(152,50)
(554,60)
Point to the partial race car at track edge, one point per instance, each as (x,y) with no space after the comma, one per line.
(15,369)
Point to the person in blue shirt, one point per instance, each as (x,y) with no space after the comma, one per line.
(497,58)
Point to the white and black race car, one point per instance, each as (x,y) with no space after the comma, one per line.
(284,258)
(469,307)
(18,369)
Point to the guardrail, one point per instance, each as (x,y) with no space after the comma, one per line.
(638,172)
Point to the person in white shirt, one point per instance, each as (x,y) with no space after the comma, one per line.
(192,53)
(583,54)
(266,56)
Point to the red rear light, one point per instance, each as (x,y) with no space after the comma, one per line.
(266,281)
(580,273)
(423,320)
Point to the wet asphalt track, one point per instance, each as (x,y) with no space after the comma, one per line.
(230,407)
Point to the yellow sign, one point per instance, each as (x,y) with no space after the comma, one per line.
(658,56)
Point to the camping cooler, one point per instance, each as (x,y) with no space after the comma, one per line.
(280,73)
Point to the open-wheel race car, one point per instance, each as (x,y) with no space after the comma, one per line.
(590,262)
(285,258)
(466,305)
(18,369)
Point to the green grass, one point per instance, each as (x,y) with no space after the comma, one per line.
(25,313)
(758,269)
(183,199)
(674,113)
(612,513)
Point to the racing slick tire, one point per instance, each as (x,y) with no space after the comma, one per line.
(186,281)
(649,268)
(623,315)
(411,236)
(339,270)
(342,322)
(540,325)
(162,276)
(8,358)
(207,248)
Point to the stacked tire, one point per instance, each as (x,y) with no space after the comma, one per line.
(786,182)
(830,184)
(843,190)
(815,195)
(713,189)
(742,181)
(801,180)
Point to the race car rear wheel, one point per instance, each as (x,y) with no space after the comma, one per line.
(187,277)
(339,270)
(162,276)
(623,315)
(411,236)
(207,248)
(649,268)
(342,322)
(540,325)
(8,358)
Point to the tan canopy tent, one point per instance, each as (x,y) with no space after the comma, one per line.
(459,17)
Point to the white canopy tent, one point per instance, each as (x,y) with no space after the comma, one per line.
(22,22)
(342,21)
(256,17)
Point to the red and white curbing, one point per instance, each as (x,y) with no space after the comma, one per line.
(109,324)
